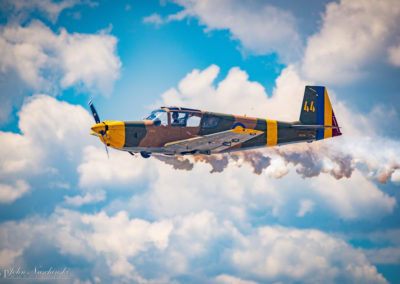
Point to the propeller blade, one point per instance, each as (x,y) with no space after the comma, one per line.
(97,120)
(94,112)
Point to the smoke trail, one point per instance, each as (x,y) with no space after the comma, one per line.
(311,160)
(217,162)
(177,162)
(338,159)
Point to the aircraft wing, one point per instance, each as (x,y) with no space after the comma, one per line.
(213,143)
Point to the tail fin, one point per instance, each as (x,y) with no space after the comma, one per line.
(317,110)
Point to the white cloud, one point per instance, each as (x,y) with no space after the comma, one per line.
(51,9)
(18,154)
(236,94)
(354,34)
(153,19)
(89,197)
(228,279)
(396,176)
(119,237)
(90,59)
(275,253)
(8,257)
(119,168)
(34,51)
(220,193)
(37,59)
(306,206)
(238,190)
(351,197)
(49,121)
(53,134)
(121,244)
(116,239)
(260,27)
(387,255)
(9,193)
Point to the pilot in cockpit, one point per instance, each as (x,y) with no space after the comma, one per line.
(175,120)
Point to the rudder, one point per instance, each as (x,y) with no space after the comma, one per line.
(317,110)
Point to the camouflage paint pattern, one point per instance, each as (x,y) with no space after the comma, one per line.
(145,135)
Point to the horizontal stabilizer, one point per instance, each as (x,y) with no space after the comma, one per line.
(315,126)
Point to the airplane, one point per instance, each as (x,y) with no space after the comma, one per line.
(186,131)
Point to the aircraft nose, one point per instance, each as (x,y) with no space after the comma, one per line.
(111,133)
(98,127)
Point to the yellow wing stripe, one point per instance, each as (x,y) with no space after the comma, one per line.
(180,141)
(328,116)
(272,132)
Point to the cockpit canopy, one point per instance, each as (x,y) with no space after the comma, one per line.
(176,116)
(159,116)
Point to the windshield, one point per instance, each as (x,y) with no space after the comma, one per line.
(160,115)
(154,114)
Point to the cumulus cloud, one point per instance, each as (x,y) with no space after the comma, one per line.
(264,254)
(96,169)
(236,94)
(351,197)
(111,235)
(53,125)
(116,238)
(49,8)
(122,237)
(396,176)
(8,257)
(237,188)
(260,27)
(154,18)
(306,206)
(354,34)
(17,155)
(228,279)
(49,128)
(44,61)
(276,253)
(10,193)
(34,51)
(387,255)
(89,197)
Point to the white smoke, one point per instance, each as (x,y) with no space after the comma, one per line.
(338,158)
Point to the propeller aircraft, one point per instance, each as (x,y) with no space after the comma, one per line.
(186,131)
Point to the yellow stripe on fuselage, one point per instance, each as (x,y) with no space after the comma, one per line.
(272,132)
(328,117)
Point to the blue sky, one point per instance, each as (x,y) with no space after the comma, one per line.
(327,211)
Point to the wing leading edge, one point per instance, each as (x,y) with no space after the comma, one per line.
(212,143)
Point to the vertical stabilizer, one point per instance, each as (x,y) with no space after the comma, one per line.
(317,110)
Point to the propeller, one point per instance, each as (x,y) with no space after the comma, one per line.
(97,120)
(94,112)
